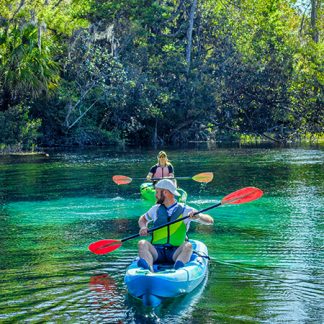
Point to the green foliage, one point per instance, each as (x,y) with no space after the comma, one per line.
(307,88)
(29,46)
(26,67)
(95,71)
(257,86)
(93,136)
(17,130)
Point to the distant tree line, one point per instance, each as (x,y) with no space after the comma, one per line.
(100,72)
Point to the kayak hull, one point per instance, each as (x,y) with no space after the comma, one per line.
(166,282)
(148,192)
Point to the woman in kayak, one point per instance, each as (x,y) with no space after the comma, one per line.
(163,169)
(168,244)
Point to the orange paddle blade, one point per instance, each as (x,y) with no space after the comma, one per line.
(121,180)
(104,246)
(203,177)
(242,196)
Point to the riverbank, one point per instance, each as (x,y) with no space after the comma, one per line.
(26,154)
(21,153)
(242,140)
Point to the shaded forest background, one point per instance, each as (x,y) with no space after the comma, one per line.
(97,72)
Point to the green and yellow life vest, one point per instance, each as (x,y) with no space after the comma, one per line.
(174,234)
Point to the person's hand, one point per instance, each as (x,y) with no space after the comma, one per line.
(143,231)
(192,215)
(148,178)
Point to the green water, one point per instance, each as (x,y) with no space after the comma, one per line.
(267,256)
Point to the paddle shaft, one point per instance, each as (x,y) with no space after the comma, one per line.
(178,178)
(181,178)
(170,223)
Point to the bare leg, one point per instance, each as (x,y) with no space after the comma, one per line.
(147,252)
(183,253)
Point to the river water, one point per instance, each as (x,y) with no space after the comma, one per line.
(266,256)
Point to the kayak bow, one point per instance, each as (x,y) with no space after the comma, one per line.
(148,192)
(165,282)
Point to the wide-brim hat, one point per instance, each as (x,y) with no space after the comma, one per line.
(168,185)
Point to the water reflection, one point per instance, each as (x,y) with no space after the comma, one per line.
(105,295)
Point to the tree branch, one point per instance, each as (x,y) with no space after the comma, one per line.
(79,118)
(175,13)
(22,2)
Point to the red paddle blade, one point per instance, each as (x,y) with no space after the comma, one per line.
(104,246)
(203,177)
(121,180)
(242,196)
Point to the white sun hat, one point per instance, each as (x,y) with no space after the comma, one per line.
(168,185)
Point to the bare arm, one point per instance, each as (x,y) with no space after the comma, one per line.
(142,223)
(202,218)
(149,176)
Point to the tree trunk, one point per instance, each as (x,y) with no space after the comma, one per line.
(155,139)
(314,14)
(189,33)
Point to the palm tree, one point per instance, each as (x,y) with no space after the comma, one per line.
(27,67)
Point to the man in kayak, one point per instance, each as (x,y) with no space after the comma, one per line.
(168,244)
(163,169)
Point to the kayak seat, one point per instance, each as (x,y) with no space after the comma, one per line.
(162,267)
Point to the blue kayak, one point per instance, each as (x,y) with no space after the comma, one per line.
(165,281)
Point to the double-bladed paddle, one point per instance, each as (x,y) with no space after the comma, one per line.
(201,177)
(237,197)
